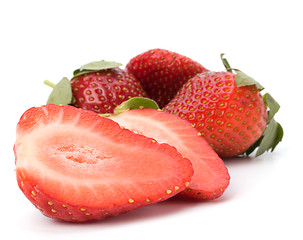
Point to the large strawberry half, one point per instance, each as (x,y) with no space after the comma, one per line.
(210,177)
(229,111)
(162,73)
(97,86)
(74,165)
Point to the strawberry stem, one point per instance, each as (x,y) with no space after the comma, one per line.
(226,63)
(49,83)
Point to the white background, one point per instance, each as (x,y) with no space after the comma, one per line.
(49,39)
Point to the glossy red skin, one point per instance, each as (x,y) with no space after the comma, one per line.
(102,91)
(162,73)
(230,118)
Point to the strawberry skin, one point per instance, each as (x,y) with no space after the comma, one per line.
(162,73)
(229,117)
(210,177)
(102,91)
(76,166)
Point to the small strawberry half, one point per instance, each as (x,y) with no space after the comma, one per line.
(74,165)
(162,73)
(229,111)
(210,177)
(97,86)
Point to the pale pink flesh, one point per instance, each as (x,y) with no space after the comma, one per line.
(78,157)
(209,170)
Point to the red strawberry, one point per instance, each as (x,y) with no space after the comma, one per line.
(74,165)
(228,110)
(162,73)
(210,177)
(97,86)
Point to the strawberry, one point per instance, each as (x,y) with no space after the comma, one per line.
(229,111)
(97,86)
(74,165)
(162,73)
(210,177)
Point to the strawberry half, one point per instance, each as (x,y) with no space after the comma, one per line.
(229,111)
(76,166)
(162,73)
(210,177)
(97,86)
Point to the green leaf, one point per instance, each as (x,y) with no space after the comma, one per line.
(272,104)
(100,65)
(79,72)
(135,103)
(272,135)
(243,79)
(61,94)
(254,146)
(95,66)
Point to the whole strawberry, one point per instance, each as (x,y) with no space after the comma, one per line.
(97,86)
(162,73)
(229,111)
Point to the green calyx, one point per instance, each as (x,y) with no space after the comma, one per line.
(95,66)
(241,78)
(135,103)
(273,133)
(62,92)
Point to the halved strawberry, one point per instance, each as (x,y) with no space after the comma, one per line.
(210,177)
(74,165)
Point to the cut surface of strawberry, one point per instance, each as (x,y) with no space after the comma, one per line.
(74,165)
(210,177)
